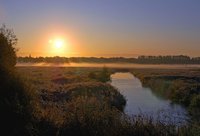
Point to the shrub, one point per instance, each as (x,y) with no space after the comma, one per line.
(194,108)
(102,76)
(7,51)
(195,103)
(15,97)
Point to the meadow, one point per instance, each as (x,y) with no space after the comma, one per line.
(80,101)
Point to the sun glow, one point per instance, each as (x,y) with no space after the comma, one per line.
(58,43)
(58,46)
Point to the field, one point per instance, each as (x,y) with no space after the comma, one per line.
(79,101)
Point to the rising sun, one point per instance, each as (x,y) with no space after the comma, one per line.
(58,43)
(57,46)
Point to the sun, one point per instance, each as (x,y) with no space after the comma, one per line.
(58,46)
(58,43)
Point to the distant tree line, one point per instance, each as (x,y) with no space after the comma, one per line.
(178,59)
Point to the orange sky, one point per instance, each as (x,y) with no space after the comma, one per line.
(104,28)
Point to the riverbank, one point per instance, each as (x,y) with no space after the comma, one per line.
(78,101)
(180,86)
(141,100)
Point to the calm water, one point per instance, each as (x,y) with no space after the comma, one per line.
(142,100)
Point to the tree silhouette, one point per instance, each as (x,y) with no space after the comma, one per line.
(14,95)
(7,51)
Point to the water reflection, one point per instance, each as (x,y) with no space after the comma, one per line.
(142,100)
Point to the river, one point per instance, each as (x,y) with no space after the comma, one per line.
(141,100)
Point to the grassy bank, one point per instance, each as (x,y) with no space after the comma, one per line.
(180,86)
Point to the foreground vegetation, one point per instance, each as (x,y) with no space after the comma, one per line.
(75,101)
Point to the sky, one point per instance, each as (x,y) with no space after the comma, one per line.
(106,28)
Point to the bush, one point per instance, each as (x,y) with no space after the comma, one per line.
(194,108)
(182,92)
(14,95)
(102,76)
(7,51)
(195,103)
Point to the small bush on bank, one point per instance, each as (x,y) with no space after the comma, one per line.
(101,76)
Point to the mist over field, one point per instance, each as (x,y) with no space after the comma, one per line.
(111,65)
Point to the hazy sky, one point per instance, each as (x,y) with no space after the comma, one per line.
(104,27)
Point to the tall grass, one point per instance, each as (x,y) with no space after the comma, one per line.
(89,107)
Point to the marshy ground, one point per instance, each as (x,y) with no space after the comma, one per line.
(81,101)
